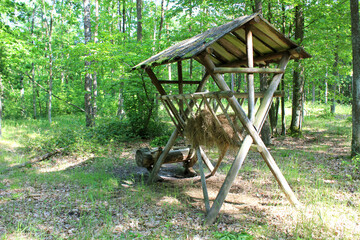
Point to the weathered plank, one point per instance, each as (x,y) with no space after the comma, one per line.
(231,48)
(223,52)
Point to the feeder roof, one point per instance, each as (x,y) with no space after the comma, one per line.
(228,45)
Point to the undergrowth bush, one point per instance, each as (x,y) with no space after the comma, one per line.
(75,137)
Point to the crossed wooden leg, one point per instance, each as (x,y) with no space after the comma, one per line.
(253,136)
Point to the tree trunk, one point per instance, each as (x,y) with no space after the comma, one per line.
(1,94)
(50,62)
(258,6)
(88,77)
(355,142)
(298,81)
(120,102)
(139,20)
(161,18)
(22,96)
(119,14)
(313,92)
(326,91)
(123,15)
(169,71)
(94,83)
(273,116)
(33,66)
(334,84)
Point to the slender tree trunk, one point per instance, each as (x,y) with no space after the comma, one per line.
(22,96)
(119,14)
(273,116)
(139,20)
(50,63)
(169,71)
(258,6)
(232,84)
(313,92)
(95,82)
(120,101)
(88,77)
(123,15)
(298,81)
(33,66)
(334,84)
(355,142)
(161,18)
(326,91)
(1,94)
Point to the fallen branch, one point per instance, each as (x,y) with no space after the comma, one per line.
(36,159)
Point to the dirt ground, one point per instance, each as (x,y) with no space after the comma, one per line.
(254,205)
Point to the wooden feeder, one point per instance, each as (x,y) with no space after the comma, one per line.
(246,45)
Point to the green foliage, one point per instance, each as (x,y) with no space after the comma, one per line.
(159,141)
(354,165)
(25,46)
(232,236)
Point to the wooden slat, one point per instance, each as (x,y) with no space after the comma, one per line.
(275,35)
(259,47)
(223,52)
(236,42)
(231,48)
(266,38)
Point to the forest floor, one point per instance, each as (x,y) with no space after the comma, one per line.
(106,196)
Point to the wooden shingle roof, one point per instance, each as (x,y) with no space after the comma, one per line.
(228,45)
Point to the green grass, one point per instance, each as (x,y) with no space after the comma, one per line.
(93,190)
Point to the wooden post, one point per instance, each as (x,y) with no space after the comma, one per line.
(203,180)
(180,79)
(253,136)
(251,88)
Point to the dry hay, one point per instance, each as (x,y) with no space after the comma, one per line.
(203,129)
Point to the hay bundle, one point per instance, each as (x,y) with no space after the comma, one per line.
(203,129)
